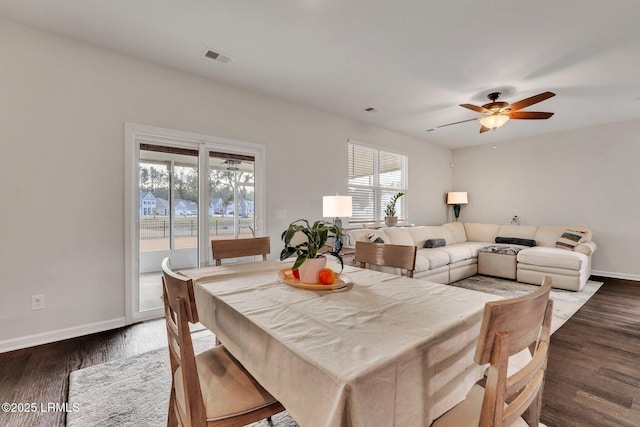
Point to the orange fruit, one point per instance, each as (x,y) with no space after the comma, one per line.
(296,273)
(327,276)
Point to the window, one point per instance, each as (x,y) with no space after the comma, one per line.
(375,176)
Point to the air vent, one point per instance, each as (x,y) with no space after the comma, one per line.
(218,56)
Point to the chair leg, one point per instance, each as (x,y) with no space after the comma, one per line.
(172,419)
(269,420)
(532,415)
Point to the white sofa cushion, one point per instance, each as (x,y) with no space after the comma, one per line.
(457,252)
(458,234)
(553,257)
(434,257)
(586,248)
(422,263)
(480,232)
(398,236)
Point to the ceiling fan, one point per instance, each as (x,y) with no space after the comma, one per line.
(497,113)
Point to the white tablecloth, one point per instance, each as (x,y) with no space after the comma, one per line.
(386,351)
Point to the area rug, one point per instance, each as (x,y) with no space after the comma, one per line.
(135,391)
(565,303)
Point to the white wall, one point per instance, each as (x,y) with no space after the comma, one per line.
(63,105)
(587,177)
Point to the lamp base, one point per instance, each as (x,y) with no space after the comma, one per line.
(337,243)
(456,211)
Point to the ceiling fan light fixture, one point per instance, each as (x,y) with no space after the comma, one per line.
(232,165)
(494,121)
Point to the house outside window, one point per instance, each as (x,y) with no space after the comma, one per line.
(375,175)
(148,203)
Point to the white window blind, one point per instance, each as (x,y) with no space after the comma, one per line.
(374,177)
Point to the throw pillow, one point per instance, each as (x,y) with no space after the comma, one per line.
(374,239)
(435,243)
(570,239)
(516,241)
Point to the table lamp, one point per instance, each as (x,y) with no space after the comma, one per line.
(457,198)
(337,207)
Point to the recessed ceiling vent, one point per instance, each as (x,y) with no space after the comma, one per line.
(218,56)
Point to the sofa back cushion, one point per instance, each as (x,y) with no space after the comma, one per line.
(480,232)
(398,236)
(423,233)
(458,235)
(548,235)
(518,231)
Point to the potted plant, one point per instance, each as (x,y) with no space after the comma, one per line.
(309,244)
(390,213)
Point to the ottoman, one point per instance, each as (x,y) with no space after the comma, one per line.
(568,269)
(498,261)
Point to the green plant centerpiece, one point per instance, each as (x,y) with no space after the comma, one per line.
(390,213)
(310,241)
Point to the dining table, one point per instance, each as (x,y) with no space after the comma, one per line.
(382,350)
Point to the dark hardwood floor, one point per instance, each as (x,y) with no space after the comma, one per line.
(593,376)
(40,374)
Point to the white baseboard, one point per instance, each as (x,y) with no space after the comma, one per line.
(60,334)
(614,275)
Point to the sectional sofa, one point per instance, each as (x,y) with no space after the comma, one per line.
(450,252)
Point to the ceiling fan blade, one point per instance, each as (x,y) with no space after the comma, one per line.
(530,115)
(455,123)
(531,100)
(476,108)
(484,129)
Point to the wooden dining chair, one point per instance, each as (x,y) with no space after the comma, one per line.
(234,248)
(211,388)
(508,327)
(399,256)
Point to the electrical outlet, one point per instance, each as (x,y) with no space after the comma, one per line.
(37,302)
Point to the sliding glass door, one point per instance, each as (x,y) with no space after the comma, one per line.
(168,218)
(231,196)
(182,193)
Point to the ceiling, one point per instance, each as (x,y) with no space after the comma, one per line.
(413,61)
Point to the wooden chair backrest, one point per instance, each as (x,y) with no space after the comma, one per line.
(399,256)
(508,327)
(180,286)
(179,308)
(234,248)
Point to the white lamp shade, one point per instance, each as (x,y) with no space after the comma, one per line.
(337,206)
(494,121)
(457,198)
